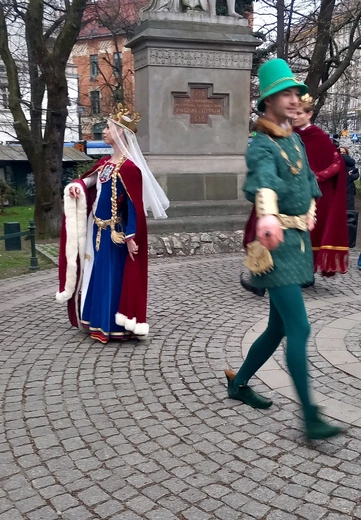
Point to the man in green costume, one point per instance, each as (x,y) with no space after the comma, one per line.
(283,188)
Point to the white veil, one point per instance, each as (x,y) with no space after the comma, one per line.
(154,198)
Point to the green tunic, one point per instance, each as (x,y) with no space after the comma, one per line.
(293,259)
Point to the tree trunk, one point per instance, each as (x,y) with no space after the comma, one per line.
(48,167)
(318,59)
(280,29)
(48,203)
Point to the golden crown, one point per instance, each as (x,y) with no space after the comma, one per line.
(307,101)
(123,117)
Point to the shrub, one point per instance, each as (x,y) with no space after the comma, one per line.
(7,195)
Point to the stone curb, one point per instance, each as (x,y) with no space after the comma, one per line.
(176,244)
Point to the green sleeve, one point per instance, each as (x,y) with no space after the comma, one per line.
(262,170)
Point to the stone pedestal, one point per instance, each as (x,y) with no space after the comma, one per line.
(192,78)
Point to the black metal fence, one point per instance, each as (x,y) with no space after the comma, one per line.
(34,263)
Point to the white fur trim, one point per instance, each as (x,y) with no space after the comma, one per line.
(139,329)
(142,330)
(75,221)
(120,319)
(130,324)
(63,297)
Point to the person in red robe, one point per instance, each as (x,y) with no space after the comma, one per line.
(103,259)
(330,236)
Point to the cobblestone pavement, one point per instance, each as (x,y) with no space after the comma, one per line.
(146,431)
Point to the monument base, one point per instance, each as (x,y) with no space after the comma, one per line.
(198,177)
(192,88)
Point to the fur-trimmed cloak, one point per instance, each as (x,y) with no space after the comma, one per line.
(133,299)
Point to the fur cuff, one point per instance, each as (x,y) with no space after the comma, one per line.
(63,297)
(75,211)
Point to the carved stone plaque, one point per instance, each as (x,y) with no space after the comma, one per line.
(199,105)
(193,58)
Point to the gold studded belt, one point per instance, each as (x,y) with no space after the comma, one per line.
(293,222)
(103,224)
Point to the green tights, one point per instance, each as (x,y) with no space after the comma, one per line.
(287,318)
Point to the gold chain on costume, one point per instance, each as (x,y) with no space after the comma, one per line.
(295,170)
(103,224)
(117,237)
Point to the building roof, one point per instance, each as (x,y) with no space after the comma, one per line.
(16,153)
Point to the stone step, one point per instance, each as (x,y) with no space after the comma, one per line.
(208,207)
(196,224)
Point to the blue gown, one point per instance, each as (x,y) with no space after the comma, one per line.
(105,285)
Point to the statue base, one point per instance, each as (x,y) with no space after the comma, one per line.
(192,88)
(193,16)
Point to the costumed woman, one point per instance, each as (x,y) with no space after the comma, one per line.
(103,260)
(283,188)
(330,236)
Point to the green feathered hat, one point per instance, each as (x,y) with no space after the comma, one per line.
(275,76)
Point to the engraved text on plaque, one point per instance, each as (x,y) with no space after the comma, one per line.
(199,105)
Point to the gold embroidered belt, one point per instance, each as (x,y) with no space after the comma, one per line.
(293,222)
(103,224)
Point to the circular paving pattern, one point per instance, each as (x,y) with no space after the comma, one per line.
(144,430)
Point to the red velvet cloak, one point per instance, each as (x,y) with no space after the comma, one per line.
(330,236)
(133,298)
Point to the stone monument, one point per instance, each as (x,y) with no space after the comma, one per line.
(192,88)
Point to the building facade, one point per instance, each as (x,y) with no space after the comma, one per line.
(105,70)
(7,132)
(104,63)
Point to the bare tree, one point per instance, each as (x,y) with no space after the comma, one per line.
(318,37)
(47,32)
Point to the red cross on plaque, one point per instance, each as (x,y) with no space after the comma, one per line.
(199,105)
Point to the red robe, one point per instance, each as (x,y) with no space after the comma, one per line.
(330,236)
(133,298)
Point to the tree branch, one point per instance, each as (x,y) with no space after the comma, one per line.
(68,36)
(54,26)
(20,122)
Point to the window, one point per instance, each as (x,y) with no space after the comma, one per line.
(94,68)
(98,131)
(118,63)
(4,98)
(95,102)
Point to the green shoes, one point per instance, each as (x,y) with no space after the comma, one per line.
(245,393)
(317,428)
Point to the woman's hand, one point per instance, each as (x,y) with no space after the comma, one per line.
(74,192)
(132,248)
(269,232)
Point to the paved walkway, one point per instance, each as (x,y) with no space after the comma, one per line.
(146,431)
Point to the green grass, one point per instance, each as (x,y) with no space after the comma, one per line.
(14,263)
(20,214)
